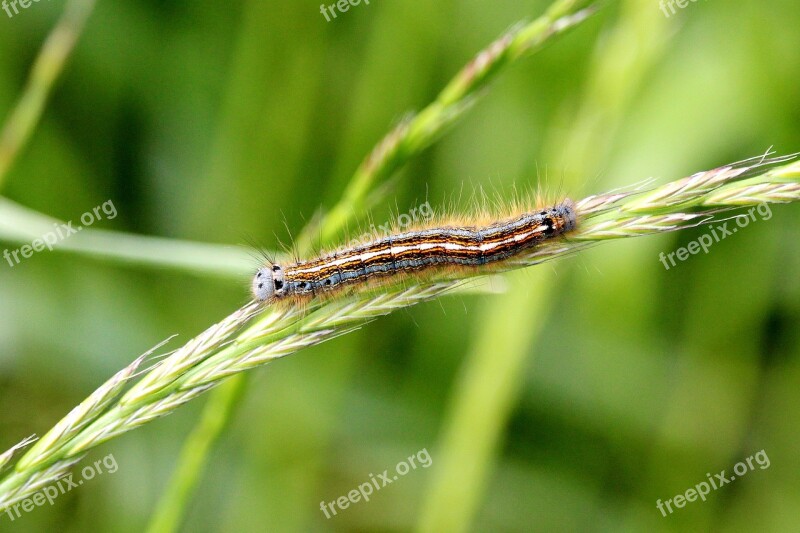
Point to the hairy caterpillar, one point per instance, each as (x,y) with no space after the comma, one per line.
(413,253)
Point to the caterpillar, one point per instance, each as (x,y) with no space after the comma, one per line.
(416,252)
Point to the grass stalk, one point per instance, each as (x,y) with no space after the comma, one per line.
(21,225)
(491,377)
(400,145)
(193,457)
(412,135)
(46,68)
(252,336)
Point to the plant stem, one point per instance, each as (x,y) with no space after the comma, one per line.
(194,455)
(253,336)
(46,69)
(416,133)
(406,141)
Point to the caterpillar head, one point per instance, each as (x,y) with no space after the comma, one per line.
(268,283)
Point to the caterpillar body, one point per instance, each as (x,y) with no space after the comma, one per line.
(410,253)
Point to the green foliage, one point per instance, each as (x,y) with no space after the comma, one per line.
(571,401)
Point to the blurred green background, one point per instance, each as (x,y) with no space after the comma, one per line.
(592,387)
